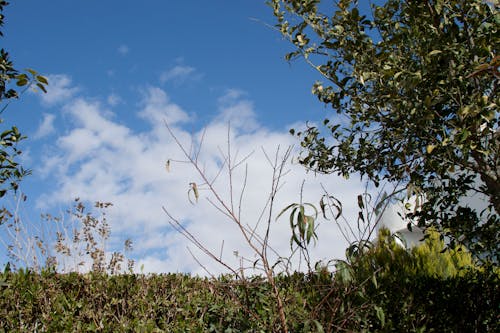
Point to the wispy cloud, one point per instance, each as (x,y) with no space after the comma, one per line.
(237,111)
(59,90)
(100,159)
(157,108)
(114,99)
(123,49)
(46,126)
(180,74)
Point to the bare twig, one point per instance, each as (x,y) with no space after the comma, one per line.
(258,245)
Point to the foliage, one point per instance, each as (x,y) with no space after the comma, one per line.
(302,225)
(84,239)
(380,288)
(154,303)
(11,172)
(432,258)
(417,82)
(315,302)
(421,289)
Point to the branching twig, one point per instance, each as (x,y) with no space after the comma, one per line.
(258,245)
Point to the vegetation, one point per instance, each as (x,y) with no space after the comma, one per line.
(73,242)
(414,90)
(417,81)
(421,290)
(383,290)
(11,172)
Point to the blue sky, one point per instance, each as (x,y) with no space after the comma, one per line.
(120,46)
(117,71)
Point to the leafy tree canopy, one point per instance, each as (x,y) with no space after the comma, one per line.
(414,85)
(11,80)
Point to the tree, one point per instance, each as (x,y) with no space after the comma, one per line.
(432,259)
(415,88)
(11,172)
(387,258)
(420,289)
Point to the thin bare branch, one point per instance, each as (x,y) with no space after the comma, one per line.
(256,244)
(199,263)
(183,231)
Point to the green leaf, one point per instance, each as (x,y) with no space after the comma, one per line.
(42,79)
(310,228)
(339,29)
(193,188)
(410,102)
(285,209)
(322,206)
(292,218)
(380,315)
(434,52)
(22,82)
(398,74)
(374,280)
(361,205)
(42,87)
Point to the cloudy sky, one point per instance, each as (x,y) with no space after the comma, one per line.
(119,72)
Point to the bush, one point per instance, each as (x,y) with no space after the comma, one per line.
(421,290)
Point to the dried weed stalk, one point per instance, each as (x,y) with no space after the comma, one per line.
(75,241)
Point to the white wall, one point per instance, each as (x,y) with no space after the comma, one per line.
(392,217)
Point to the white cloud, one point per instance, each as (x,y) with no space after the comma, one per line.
(99,159)
(180,74)
(157,108)
(230,96)
(123,49)
(236,111)
(114,100)
(46,126)
(59,90)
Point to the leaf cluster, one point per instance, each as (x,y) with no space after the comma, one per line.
(11,79)
(153,303)
(427,288)
(414,90)
(315,302)
(302,225)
